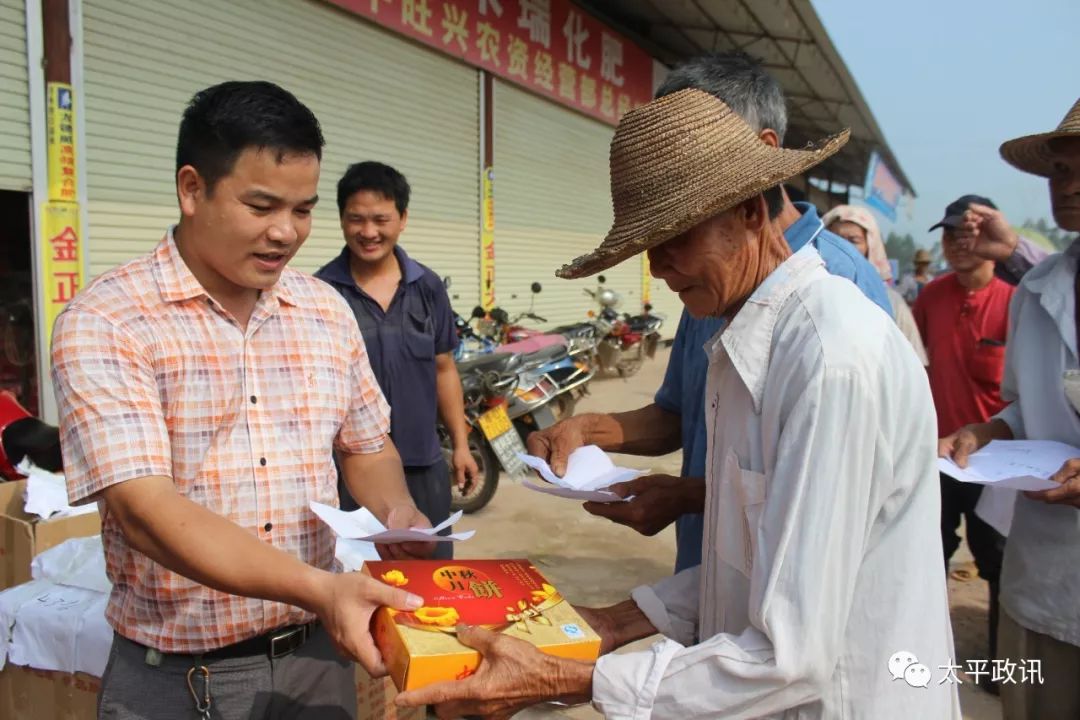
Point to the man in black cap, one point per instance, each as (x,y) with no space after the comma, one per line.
(963,318)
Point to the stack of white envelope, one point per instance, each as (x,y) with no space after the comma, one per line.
(57,620)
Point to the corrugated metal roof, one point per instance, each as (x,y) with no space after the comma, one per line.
(789,38)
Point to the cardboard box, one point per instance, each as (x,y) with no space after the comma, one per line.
(23,536)
(508,596)
(28,694)
(375,700)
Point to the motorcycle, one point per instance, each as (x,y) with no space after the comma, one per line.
(555,370)
(494,441)
(623,342)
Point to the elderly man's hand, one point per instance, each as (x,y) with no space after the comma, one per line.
(1068,492)
(658,500)
(985,232)
(403,518)
(512,675)
(555,443)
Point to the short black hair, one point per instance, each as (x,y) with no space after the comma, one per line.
(376,177)
(222,121)
(743,84)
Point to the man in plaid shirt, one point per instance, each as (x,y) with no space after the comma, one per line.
(203,390)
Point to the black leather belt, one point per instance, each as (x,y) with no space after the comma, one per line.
(274,644)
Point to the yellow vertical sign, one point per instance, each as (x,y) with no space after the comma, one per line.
(646,278)
(60,249)
(62,159)
(61,258)
(487,239)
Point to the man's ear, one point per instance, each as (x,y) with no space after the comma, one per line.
(404,219)
(769,137)
(755,213)
(190,189)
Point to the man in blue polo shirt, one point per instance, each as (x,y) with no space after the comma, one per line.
(676,419)
(408,328)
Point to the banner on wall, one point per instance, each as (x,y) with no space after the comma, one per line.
(548,46)
(487,239)
(883,191)
(60,119)
(646,280)
(61,259)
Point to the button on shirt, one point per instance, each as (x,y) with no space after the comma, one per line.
(153,377)
(402,343)
(1040,577)
(821,525)
(964,331)
(683,389)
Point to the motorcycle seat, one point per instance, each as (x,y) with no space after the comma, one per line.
(491,361)
(545,355)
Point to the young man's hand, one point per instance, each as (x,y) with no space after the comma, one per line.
(346,603)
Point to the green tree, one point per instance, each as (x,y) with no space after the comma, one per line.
(901,248)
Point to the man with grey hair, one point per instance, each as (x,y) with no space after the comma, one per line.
(676,418)
(814,598)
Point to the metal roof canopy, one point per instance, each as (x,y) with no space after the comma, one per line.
(789,38)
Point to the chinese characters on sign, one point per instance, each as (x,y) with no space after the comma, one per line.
(548,46)
(61,143)
(487,239)
(61,259)
(59,250)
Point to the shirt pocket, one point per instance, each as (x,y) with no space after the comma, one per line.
(419,336)
(987,364)
(740,502)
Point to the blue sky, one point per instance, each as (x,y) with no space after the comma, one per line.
(949,81)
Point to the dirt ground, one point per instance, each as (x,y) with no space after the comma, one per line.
(595,562)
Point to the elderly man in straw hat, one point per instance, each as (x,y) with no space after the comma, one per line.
(1040,576)
(819,594)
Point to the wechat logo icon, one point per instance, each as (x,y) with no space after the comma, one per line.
(905,666)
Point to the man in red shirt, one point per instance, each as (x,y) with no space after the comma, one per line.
(963,317)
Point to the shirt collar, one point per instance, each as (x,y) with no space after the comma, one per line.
(747,339)
(177,283)
(338,270)
(805,229)
(1054,284)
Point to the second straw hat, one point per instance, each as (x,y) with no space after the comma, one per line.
(679,160)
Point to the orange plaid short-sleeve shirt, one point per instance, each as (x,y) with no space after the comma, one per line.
(153,377)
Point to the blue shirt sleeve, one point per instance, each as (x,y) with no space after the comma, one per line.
(843,260)
(669,396)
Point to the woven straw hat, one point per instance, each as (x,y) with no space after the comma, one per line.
(1032,153)
(679,160)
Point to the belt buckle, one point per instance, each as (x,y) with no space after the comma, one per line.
(288,641)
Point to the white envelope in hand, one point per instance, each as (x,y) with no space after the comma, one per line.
(589,472)
(362,525)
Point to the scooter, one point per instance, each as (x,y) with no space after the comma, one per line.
(622,342)
(494,440)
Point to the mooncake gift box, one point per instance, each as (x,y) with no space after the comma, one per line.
(505,596)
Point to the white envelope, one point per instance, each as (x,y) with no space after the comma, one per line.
(1014,464)
(362,525)
(589,472)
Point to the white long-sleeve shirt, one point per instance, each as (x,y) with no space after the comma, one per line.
(822,555)
(1040,574)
